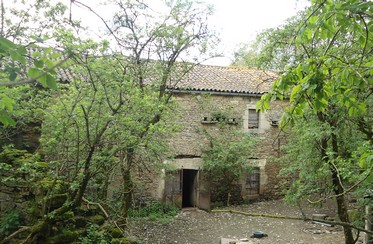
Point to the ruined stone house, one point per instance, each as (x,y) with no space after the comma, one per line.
(227,88)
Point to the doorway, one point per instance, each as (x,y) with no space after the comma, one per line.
(189,198)
(185,188)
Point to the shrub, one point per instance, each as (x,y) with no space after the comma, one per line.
(10,222)
(94,235)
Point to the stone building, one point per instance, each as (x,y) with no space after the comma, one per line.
(202,95)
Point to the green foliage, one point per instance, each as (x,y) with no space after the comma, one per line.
(329,86)
(161,212)
(10,222)
(115,113)
(95,235)
(228,154)
(23,60)
(118,113)
(226,159)
(18,167)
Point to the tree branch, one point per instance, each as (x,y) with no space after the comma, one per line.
(344,224)
(345,191)
(32,80)
(22,229)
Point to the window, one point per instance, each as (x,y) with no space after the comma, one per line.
(253,119)
(253,182)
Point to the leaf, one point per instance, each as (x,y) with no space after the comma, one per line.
(51,82)
(6,119)
(33,72)
(5,44)
(361,41)
(15,55)
(313,19)
(43,80)
(308,33)
(6,102)
(320,104)
(295,92)
(38,64)
(21,50)
(12,76)
(352,111)
(365,160)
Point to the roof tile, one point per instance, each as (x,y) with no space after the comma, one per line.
(226,79)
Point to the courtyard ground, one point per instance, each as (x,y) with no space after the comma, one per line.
(194,226)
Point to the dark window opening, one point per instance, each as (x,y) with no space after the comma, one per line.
(253,182)
(253,119)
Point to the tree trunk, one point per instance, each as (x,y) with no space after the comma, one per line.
(127,194)
(340,196)
(336,181)
(338,189)
(127,185)
(342,209)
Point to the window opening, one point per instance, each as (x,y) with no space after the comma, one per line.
(253,119)
(253,182)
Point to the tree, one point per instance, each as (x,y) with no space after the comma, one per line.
(329,87)
(226,159)
(22,31)
(116,114)
(113,112)
(273,49)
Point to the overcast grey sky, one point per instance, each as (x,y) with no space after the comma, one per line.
(237,21)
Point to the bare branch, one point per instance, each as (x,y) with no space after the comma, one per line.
(292,218)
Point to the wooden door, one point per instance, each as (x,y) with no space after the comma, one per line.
(203,192)
(173,192)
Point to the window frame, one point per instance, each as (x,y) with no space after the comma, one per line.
(253,122)
(252,184)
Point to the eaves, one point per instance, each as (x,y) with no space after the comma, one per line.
(216,92)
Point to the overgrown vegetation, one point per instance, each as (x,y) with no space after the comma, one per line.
(226,159)
(325,58)
(162,212)
(10,222)
(111,114)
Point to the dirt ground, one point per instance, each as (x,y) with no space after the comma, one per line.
(196,226)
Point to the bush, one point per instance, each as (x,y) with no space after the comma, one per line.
(10,222)
(94,235)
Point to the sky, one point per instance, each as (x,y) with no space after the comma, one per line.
(237,21)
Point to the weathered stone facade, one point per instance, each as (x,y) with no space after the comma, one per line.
(196,112)
(205,95)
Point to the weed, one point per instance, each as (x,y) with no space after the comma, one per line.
(155,212)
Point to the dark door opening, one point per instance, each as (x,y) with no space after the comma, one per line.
(189,188)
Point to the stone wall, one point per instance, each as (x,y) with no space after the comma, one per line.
(196,114)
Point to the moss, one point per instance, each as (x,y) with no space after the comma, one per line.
(355,215)
(67,236)
(113,231)
(79,221)
(57,201)
(97,219)
(87,211)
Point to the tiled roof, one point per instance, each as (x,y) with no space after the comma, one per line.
(65,75)
(207,78)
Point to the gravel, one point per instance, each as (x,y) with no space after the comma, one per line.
(196,226)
